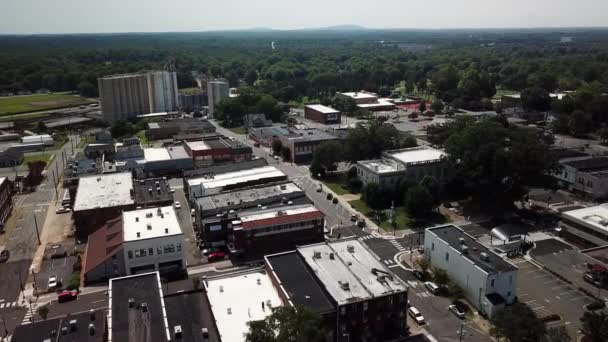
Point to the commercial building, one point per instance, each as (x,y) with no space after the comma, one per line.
(217,90)
(303,142)
(100,198)
(322,114)
(138,310)
(217,149)
(368,100)
(586,227)
(214,184)
(6,199)
(152,192)
(43,139)
(587,177)
(238,299)
(83,327)
(125,96)
(489,282)
(104,257)
(357,296)
(414,163)
(265,135)
(169,129)
(166,160)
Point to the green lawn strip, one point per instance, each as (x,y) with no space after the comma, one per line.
(36,157)
(34,103)
(24,117)
(403,220)
(143,138)
(238,130)
(337,184)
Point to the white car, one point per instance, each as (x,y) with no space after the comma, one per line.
(456,311)
(177,205)
(52,282)
(432,287)
(62,210)
(416,315)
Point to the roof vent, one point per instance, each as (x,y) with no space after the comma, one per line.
(461,240)
(148,215)
(136,219)
(73,324)
(283,187)
(92,315)
(131,302)
(316,255)
(344,285)
(221,288)
(464,249)
(484,256)
(166,230)
(144,307)
(259,281)
(91,329)
(178,331)
(331,256)
(159,211)
(138,234)
(229,311)
(64,330)
(350,248)
(149,226)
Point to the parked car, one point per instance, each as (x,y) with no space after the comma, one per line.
(335,201)
(418,274)
(177,205)
(456,310)
(416,315)
(432,287)
(320,188)
(52,282)
(67,295)
(62,210)
(354,217)
(361,223)
(216,256)
(192,212)
(4,255)
(329,196)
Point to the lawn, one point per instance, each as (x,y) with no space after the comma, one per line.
(33,103)
(190,91)
(143,137)
(238,130)
(88,139)
(31,116)
(337,183)
(36,157)
(403,221)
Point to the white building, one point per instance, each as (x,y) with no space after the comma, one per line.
(238,299)
(587,226)
(415,163)
(217,90)
(153,240)
(162,90)
(44,139)
(489,282)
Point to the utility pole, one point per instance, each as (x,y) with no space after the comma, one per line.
(5,329)
(461,332)
(37,232)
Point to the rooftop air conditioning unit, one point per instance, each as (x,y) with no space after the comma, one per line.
(144,307)
(484,256)
(73,324)
(344,285)
(177,330)
(316,255)
(461,240)
(149,226)
(464,249)
(350,248)
(332,256)
(91,329)
(131,302)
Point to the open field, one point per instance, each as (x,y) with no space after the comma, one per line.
(384,220)
(34,103)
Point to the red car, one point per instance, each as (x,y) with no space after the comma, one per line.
(216,256)
(66,295)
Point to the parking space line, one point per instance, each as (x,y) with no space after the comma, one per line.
(577,298)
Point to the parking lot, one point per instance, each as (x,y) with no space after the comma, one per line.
(546,294)
(62,268)
(193,253)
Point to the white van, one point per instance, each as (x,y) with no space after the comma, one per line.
(432,287)
(416,315)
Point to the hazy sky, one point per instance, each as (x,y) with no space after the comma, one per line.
(80,16)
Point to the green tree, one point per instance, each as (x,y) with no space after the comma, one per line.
(595,325)
(286,153)
(408,140)
(535,99)
(557,334)
(369,139)
(441,277)
(269,106)
(277,145)
(422,106)
(121,129)
(374,196)
(418,202)
(87,89)
(409,87)
(561,124)
(433,187)
(41,127)
(580,123)
(250,77)
(517,323)
(230,111)
(287,324)
(437,106)
(424,265)
(43,311)
(327,155)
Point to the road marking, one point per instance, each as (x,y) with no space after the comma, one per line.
(391,266)
(577,298)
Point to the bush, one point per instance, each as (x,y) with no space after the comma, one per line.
(43,311)
(595,306)
(74,283)
(551,318)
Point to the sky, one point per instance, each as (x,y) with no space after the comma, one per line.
(103,16)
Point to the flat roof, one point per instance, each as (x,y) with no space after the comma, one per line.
(231,178)
(198,145)
(596,216)
(40,331)
(152,190)
(282,215)
(150,223)
(360,95)
(452,235)
(178,152)
(104,191)
(156,154)
(132,323)
(323,109)
(381,165)
(298,282)
(191,311)
(310,135)
(416,155)
(337,278)
(589,164)
(237,299)
(379,103)
(251,195)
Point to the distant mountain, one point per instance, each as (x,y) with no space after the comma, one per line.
(343,28)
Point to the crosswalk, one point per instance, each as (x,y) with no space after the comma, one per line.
(31,310)
(366,237)
(6,305)
(388,262)
(397,245)
(8,338)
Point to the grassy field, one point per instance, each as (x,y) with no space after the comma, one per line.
(190,91)
(34,103)
(4,118)
(238,130)
(337,183)
(36,157)
(403,220)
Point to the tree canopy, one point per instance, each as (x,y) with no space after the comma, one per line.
(517,323)
(287,324)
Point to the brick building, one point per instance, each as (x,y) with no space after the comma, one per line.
(322,114)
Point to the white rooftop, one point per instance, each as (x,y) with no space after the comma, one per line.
(335,275)
(197,145)
(360,95)
(223,179)
(2,179)
(156,154)
(379,103)
(322,109)
(236,300)
(104,191)
(271,213)
(150,223)
(596,216)
(381,165)
(416,154)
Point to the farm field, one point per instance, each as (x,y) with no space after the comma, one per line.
(33,103)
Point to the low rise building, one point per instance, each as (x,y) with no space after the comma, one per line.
(104,257)
(44,139)
(322,114)
(166,160)
(152,192)
(217,150)
(265,135)
(415,163)
(585,176)
(368,100)
(169,129)
(489,282)
(586,227)
(256,120)
(87,326)
(303,142)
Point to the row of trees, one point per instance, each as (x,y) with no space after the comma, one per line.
(232,110)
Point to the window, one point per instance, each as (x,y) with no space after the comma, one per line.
(178,247)
(150,251)
(169,248)
(432,246)
(343,310)
(510,279)
(509,294)
(130,254)
(159,250)
(365,306)
(492,282)
(447,256)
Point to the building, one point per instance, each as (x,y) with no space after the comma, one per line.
(6,199)
(43,139)
(218,168)
(357,296)
(217,149)
(152,241)
(98,150)
(256,120)
(88,326)
(586,227)
(303,142)
(193,102)
(585,176)
(217,90)
(322,114)
(166,160)
(238,299)
(129,95)
(152,192)
(368,101)
(214,184)
(265,135)
(489,282)
(169,129)
(138,310)
(100,198)
(104,257)
(414,163)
